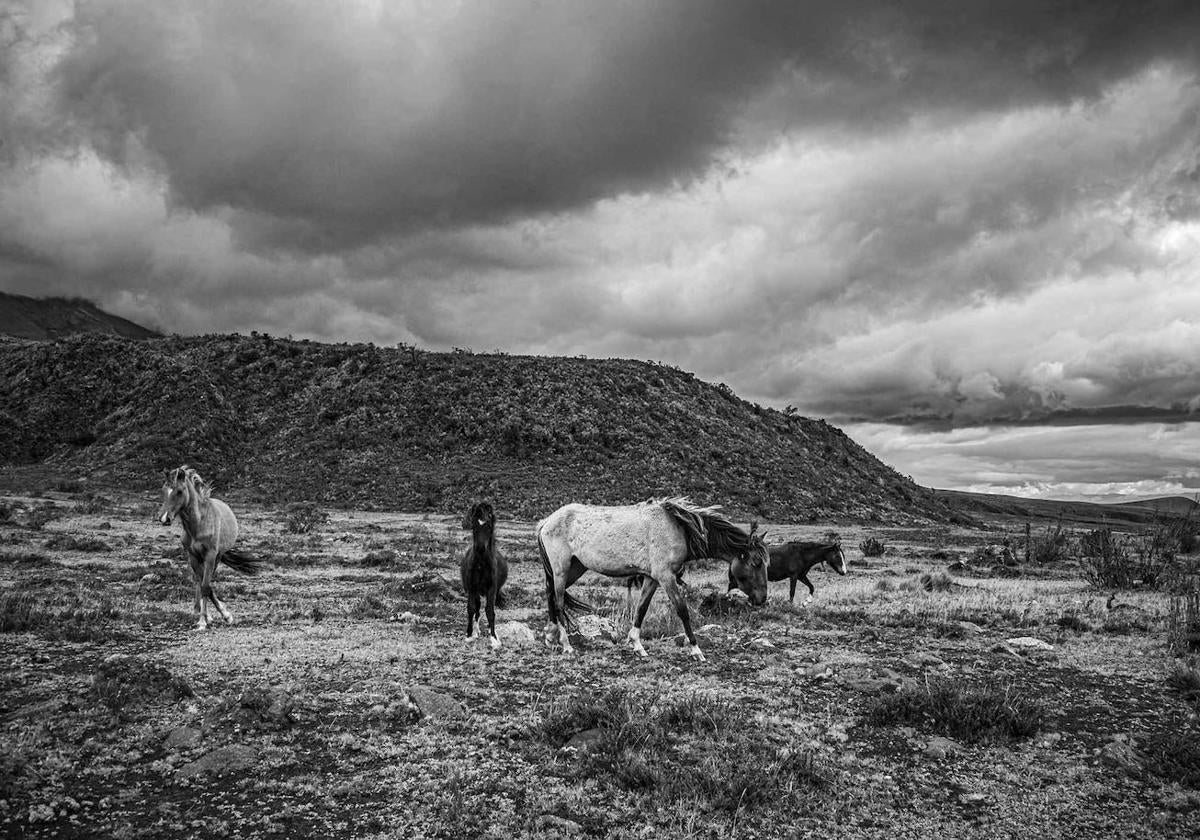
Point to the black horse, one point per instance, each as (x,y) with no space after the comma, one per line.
(792,561)
(484,570)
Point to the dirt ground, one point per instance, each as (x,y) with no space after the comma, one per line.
(345,700)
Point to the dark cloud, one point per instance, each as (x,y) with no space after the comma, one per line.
(328,123)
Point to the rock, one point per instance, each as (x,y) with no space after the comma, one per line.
(553,822)
(922,659)
(584,741)
(969,628)
(233,757)
(940,747)
(591,626)
(181,738)
(406,617)
(736,595)
(1029,643)
(1122,756)
(434,704)
(515,633)
(763,643)
(150,577)
(873,685)
(1049,740)
(819,671)
(710,628)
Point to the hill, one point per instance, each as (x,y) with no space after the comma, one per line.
(42,319)
(404,429)
(1091,514)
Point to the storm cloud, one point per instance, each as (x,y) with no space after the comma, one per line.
(935,217)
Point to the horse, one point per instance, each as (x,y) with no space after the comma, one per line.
(655,540)
(209,532)
(484,570)
(793,560)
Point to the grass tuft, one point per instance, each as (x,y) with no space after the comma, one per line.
(699,748)
(970,713)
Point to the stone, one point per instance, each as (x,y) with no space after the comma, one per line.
(434,704)
(1029,643)
(763,643)
(181,738)
(969,628)
(940,747)
(233,757)
(819,671)
(921,659)
(584,741)
(873,685)
(553,822)
(1122,756)
(515,633)
(591,626)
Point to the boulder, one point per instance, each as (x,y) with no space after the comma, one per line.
(232,757)
(182,738)
(515,633)
(434,704)
(1029,643)
(940,747)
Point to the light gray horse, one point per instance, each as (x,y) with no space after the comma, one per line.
(209,532)
(653,540)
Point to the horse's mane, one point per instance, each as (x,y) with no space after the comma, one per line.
(707,532)
(198,484)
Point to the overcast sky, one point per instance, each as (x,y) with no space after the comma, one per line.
(967,232)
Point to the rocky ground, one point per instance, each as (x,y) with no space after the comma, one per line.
(346,702)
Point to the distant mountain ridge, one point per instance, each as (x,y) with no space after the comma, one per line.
(44,319)
(402,428)
(1094,514)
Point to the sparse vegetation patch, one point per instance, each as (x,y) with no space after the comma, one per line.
(968,712)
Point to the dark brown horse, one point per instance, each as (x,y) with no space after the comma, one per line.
(792,561)
(484,570)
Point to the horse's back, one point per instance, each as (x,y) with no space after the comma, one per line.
(616,539)
(792,558)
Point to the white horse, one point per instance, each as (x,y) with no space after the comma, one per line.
(653,540)
(209,532)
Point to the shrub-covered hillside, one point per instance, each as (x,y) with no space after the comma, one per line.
(407,429)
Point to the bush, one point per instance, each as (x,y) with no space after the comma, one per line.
(1174,753)
(1183,620)
(125,682)
(872,547)
(1050,546)
(40,517)
(727,763)
(1185,679)
(303,517)
(969,713)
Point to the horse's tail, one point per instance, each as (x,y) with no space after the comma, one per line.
(242,563)
(691,521)
(571,604)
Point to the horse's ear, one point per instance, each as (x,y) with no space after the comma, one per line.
(753,527)
(763,536)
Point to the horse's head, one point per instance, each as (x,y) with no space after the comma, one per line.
(836,559)
(174,494)
(481,519)
(748,568)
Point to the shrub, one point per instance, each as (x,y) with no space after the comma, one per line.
(303,517)
(1072,621)
(1185,679)
(70,542)
(125,682)
(1051,546)
(728,762)
(872,547)
(1174,753)
(1183,620)
(970,713)
(40,517)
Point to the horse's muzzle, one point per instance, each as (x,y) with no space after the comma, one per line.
(164,518)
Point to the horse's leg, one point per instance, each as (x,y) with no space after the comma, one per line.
(792,590)
(219,604)
(681,609)
(811,589)
(197,566)
(649,587)
(206,588)
(491,617)
(472,613)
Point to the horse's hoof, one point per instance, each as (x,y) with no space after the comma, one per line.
(697,654)
(494,643)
